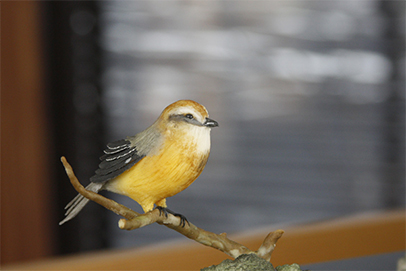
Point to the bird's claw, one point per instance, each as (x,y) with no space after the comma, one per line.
(166,211)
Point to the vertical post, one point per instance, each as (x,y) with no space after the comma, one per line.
(26,229)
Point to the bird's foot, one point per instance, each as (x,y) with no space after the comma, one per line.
(166,211)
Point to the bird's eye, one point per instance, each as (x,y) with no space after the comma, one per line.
(189,116)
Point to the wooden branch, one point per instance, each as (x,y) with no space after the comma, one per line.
(269,244)
(133,220)
(107,203)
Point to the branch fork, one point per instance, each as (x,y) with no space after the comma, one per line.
(134,220)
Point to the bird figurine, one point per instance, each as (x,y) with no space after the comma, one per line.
(156,163)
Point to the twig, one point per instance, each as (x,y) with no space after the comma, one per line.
(134,220)
(269,244)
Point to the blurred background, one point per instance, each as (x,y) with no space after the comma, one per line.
(310,97)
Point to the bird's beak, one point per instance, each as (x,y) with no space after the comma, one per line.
(210,123)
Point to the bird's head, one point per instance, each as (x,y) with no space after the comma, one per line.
(184,123)
(187,122)
(186,114)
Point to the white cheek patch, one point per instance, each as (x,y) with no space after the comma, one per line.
(201,137)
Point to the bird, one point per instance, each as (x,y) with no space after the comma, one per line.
(157,163)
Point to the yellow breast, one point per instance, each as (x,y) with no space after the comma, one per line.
(168,172)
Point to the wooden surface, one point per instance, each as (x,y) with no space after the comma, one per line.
(25,185)
(355,236)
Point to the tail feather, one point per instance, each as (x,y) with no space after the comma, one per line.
(75,199)
(78,202)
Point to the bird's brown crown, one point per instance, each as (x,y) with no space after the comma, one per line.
(185,107)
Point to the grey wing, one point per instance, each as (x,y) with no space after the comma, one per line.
(119,157)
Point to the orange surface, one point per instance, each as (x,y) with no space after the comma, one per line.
(342,238)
